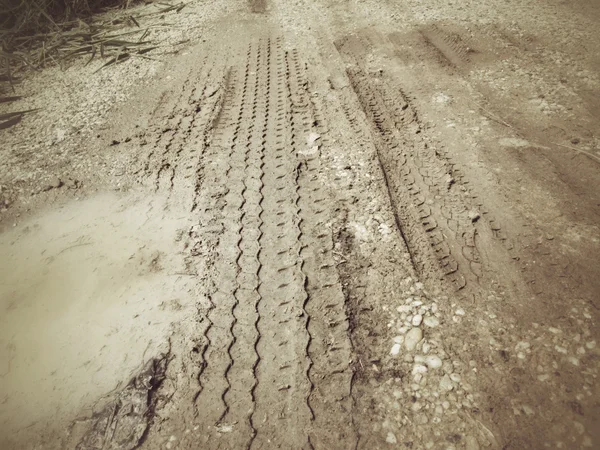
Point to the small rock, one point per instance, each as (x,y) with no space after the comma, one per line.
(433,362)
(418,368)
(395,349)
(54,183)
(471,443)
(431,321)
(473,216)
(398,339)
(446,383)
(460,312)
(417,319)
(391,438)
(312,138)
(413,337)
(455,377)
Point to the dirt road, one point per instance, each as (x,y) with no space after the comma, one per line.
(333,224)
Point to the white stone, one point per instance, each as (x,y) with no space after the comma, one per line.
(433,362)
(455,377)
(419,368)
(460,312)
(434,308)
(446,383)
(398,339)
(471,443)
(391,438)
(431,321)
(403,308)
(416,320)
(413,337)
(395,349)
(590,345)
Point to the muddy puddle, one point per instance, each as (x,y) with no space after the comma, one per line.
(88,292)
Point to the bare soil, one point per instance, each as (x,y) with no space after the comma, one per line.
(329,224)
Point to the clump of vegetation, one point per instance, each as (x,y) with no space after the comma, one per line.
(36,33)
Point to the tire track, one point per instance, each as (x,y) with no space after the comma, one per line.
(283,387)
(275,352)
(329,348)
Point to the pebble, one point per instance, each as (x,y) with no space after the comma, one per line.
(391,438)
(433,362)
(431,321)
(446,383)
(419,368)
(473,215)
(403,308)
(413,337)
(455,377)
(460,312)
(417,319)
(471,443)
(395,349)
(399,339)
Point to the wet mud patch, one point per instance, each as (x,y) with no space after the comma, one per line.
(89,293)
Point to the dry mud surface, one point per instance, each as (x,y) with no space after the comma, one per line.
(330,224)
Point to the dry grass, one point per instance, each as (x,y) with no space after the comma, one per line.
(38,33)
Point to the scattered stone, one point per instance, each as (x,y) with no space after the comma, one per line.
(54,183)
(413,337)
(460,312)
(391,438)
(473,216)
(312,138)
(417,319)
(433,362)
(471,443)
(418,368)
(431,321)
(455,377)
(398,339)
(395,349)
(446,383)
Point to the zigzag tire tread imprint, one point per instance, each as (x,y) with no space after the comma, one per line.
(274,355)
(428,191)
